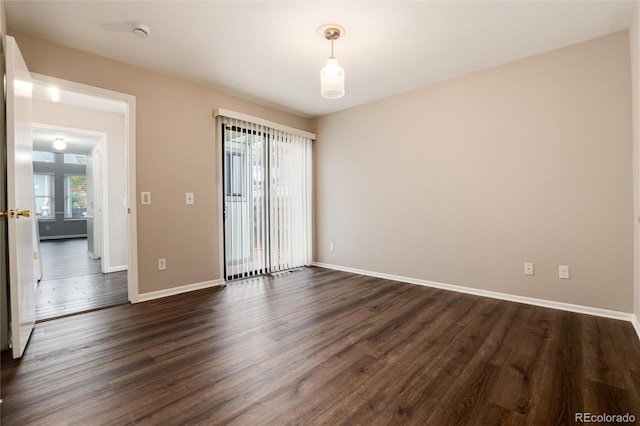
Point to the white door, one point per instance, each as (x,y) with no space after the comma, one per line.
(20,198)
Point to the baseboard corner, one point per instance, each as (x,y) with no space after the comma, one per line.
(636,324)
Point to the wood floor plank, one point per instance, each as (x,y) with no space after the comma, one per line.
(67,258)
(322,347)
(72,282)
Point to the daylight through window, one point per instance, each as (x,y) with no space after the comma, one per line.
(75,193)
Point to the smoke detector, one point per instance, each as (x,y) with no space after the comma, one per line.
(141,30)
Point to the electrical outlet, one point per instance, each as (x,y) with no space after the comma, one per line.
(528,268)
(162,264)
(332,247)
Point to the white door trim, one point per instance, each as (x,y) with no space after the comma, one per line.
(130,159)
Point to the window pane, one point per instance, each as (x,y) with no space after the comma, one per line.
(43,191)
(42,185)
(234,174)
(75,206)
(43,208)
(75,159)
(45,157)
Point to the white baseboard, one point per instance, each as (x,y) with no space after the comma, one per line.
(62,237)
(178,290)
(495,295)
(116,269)
(636,325)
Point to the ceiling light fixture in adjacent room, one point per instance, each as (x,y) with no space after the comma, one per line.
(59,144)
(332,75)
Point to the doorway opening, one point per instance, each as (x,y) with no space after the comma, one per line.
(73,273)
(84,190)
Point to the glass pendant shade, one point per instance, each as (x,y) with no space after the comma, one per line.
(59,144)
(332,80)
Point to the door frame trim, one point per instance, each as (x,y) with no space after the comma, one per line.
(130,165)
(219,161)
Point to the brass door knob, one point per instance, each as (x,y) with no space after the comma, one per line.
(15,214)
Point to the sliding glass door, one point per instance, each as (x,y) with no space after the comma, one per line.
(267,216)
(246,209)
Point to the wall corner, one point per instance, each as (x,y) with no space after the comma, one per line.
(634,45)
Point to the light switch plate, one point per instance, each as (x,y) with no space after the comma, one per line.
(145,198)
(190,199)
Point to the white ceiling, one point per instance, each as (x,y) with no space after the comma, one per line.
(269,51)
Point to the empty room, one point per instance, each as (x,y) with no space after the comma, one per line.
(320,213)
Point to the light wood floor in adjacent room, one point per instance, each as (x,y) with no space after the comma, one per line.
(320,347)
(72,282)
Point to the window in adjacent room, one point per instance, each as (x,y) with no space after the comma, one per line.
(75,159)
(75,197)
(43,190)
(43,156)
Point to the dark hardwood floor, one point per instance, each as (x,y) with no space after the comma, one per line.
(323,347)
(67,258)
(72,282)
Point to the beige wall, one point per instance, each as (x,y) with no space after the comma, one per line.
(462,182)
(634,38)
(175,154)
(3,19)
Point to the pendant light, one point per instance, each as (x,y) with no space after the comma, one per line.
(332,75)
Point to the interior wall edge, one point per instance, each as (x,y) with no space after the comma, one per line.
(634,47)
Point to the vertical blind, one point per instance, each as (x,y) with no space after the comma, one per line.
(267,199)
